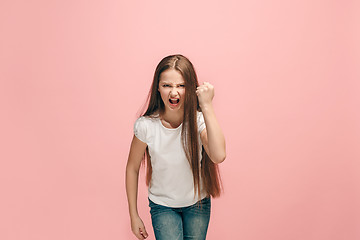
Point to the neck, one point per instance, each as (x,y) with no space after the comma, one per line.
(173,118)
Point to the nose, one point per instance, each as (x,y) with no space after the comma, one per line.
(173,92)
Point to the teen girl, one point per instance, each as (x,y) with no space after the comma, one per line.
(183,143)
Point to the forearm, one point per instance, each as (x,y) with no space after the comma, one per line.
(215,136)
(132,177)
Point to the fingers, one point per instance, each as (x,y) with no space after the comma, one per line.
(138,228)
(205,84)
(139,236)
(204,87)
(141,233)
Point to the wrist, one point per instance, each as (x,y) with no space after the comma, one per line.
(206,107)
(134,214)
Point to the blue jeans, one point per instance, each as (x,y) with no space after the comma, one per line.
(181,223)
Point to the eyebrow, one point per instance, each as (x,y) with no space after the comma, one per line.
(164,82)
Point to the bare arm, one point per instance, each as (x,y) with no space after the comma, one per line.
(212,137)
(136,154)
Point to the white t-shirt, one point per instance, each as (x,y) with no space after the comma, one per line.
(172,183)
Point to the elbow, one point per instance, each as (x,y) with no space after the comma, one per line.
(131,169)
(219,158)
(222,158)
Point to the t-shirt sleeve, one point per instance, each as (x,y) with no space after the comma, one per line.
(200,122)
(140,129)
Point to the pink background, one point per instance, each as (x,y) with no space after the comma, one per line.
(74,75)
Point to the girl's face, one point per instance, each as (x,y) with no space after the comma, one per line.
(172,90)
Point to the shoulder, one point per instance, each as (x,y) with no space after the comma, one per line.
(200,117)
(199,114)
(145,121)
(141,119)
(144,128)
(151,118)
(200,121)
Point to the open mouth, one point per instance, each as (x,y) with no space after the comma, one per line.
(174,101)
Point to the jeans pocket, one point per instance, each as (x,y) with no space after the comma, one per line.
(203,207)
(156,209)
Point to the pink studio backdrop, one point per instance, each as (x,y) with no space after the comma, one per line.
(74,75)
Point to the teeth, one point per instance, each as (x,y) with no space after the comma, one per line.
(174,101)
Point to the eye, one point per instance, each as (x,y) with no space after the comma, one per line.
(166,85)
(182,85)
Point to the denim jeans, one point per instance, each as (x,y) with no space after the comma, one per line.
(181,223)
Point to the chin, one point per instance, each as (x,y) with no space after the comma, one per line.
(177,108)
